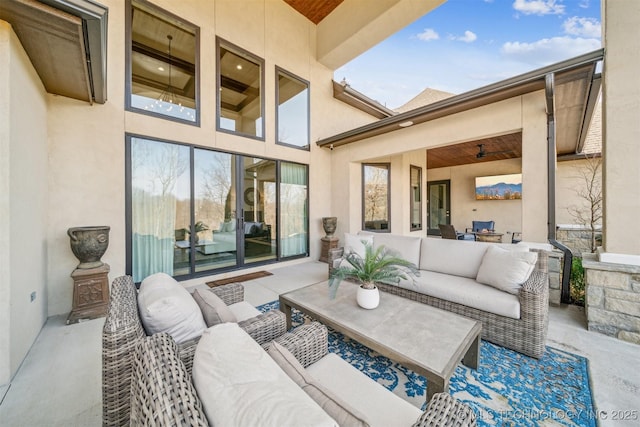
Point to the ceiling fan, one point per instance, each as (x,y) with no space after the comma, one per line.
(482,154)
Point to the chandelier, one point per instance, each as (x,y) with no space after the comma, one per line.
(167,95)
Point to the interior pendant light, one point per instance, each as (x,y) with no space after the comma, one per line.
(168,96)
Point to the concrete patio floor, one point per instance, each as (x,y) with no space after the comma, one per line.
(59,382)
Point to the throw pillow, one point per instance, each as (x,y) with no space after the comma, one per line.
(166,306)
(505,269)
(333,405)
(355,243)
(214,310)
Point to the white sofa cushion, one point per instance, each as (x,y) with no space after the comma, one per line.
(379,406)
(166,306)
(457,257)
(240,385)
(355,243)
(465,291)
(506,270)
(213,309)
(338,409)
(406,247)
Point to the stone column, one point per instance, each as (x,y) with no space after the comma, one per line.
(612,300)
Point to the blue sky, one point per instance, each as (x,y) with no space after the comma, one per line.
(466,44)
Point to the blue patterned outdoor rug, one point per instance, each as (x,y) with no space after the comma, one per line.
(508,389)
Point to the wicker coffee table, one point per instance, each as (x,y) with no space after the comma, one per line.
(427,340)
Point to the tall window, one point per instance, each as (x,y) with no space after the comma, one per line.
(159,208)
(416,198)
(162,64)
(192,211)
(240,83)
(294,212)
(376,197)
(292,110)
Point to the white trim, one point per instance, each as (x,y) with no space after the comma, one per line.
(618,258)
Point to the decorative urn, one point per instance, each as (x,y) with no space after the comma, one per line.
(329,224)
(88,244)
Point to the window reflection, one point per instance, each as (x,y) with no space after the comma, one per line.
(293,110)
(163,63)
(240,91)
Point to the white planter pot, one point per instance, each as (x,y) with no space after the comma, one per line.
(368,298)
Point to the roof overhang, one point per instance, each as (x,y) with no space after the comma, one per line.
(66,41)
(346,94)
(575,91)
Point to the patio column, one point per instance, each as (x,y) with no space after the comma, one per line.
(621,133)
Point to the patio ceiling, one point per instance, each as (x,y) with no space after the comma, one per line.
(496,148)
(314,10)
(575,95)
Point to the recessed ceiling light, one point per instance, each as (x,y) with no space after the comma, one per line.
(160,68)
(239,66)
(406,124)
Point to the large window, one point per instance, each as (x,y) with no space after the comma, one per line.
(294,210)
(162,65)
(376,197)
(415,200)
(292,103)
(240,83)
(193,211)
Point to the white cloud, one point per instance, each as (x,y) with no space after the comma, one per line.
(428,34)
(468,37)
(549,51)
(538,7)
(583,27)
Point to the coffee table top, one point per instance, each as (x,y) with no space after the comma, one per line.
(423,338)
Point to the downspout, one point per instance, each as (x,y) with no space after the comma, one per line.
(551,189)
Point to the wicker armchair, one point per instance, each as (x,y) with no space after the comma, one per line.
(123,331)
(168,397)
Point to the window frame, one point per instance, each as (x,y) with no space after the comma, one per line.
(129,68)
(237,50)
(192,147)
(278,72)
(388,167)
(412,200)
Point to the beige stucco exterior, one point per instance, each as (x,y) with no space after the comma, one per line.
(23,203)
(400,148)
(621,132)
(62,162)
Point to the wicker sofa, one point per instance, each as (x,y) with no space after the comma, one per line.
(170,396)
(123,331)
(448,270)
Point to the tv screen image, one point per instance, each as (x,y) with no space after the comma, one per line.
(499,187)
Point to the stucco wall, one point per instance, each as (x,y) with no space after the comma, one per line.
(23,205)
(525,113)
(87,185)
(621,130)
(568,182)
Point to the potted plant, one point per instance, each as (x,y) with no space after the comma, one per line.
(200,226)
(377,266)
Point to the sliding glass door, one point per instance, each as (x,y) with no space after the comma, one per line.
(258,207)
(192,210)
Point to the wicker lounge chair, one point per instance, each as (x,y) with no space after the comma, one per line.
(123,331)
(168,398)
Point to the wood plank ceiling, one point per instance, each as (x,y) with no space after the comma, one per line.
(314,10)
(495,148)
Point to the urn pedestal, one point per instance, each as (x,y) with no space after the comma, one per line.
(327,243)
(90,293)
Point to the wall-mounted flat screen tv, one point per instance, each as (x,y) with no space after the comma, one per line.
(499,187)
